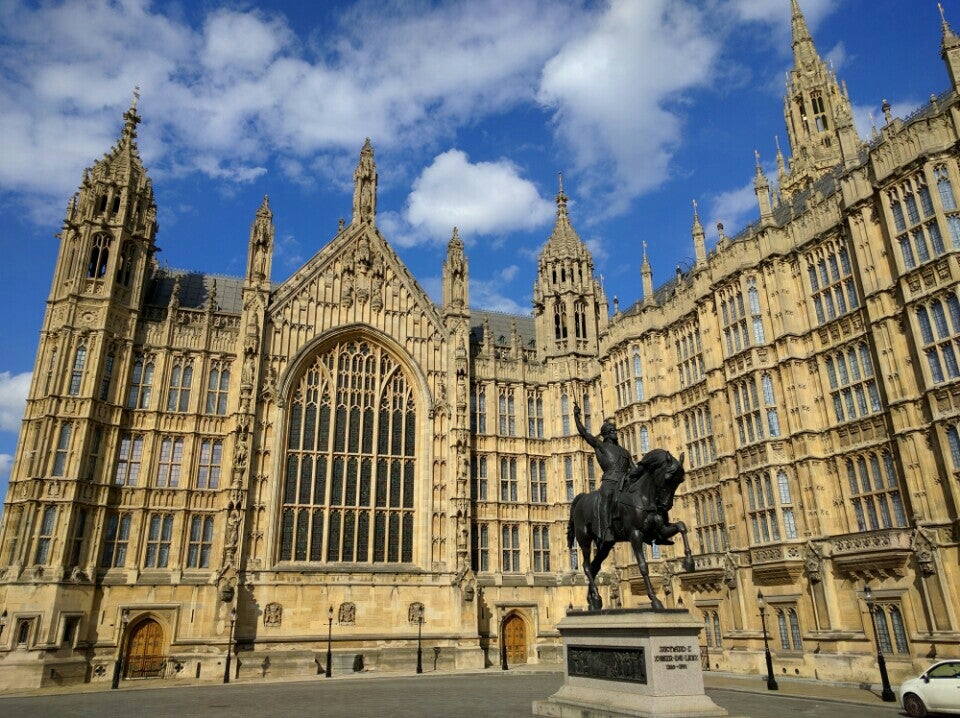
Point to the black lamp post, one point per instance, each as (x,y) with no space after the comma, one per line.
(118,664)
(503,640)
(233,622)
(886,695)
(329,637)
(771,681)
(419,638)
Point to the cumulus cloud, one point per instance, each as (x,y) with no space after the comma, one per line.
(492,294)
(242,87)
(735,208)
(616,105)
(482,198)
(236,41)
(239,93)
(13,398)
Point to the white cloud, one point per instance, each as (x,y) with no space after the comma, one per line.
(241,41)
(491,294)
(616,87)
(482,198)
(837,56)
(735,208)
(13,399)
(241,87)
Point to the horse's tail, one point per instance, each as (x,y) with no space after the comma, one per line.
(571,531)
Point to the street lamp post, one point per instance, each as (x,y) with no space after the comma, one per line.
(887,694)
(503,640)
(233,622)
(329,638)
(419,638)
(118,664)
(771,681)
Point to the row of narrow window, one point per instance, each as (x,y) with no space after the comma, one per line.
(140,391)
(507,413)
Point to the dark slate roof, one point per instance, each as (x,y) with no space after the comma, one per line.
(501,327)
(195,288)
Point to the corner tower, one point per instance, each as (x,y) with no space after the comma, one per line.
(568,302)
(817,112)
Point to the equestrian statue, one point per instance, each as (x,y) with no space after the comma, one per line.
(632,504)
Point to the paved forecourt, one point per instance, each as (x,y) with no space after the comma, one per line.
(490,693)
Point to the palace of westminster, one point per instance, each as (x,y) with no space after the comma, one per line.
(213,467)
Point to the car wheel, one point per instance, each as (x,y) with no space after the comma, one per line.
(914,706)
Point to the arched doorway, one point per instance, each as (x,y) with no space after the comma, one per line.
(145,657)
(515,640)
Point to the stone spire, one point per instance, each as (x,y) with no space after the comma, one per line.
(699,241)
(564,238)
(111,224)
(813,102)
(646,275)
(804,51)
(950,50)
(365,187)
(761,188)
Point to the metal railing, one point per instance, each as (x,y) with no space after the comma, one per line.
(147,666)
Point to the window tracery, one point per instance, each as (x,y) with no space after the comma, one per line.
(348,487)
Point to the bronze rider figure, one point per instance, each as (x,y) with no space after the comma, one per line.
(616,463)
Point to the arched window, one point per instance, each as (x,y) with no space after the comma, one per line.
(945,189)
(348,488)
(953,440)
(782,626)
(141,383)
(47,525)
(79,362)
(560,323)
(99,256)
(125,264)
(565,413)
(899,632)
(63,448)
(717,635)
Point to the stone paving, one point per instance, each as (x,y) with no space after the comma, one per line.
(487,693)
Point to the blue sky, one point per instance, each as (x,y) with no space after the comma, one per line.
(472,108)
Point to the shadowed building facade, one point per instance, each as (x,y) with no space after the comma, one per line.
(340,442)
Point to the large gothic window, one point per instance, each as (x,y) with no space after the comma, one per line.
(349,465)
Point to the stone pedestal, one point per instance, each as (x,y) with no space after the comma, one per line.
(630,662)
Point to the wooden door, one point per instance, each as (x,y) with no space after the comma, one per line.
(145,657)
(515,639)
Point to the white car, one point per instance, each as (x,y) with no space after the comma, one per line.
(936,690)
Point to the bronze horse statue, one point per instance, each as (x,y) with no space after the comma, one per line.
(642,518)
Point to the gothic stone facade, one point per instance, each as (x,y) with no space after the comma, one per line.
(209,462)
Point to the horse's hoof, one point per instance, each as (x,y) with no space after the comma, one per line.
(657,606)
(688,564)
